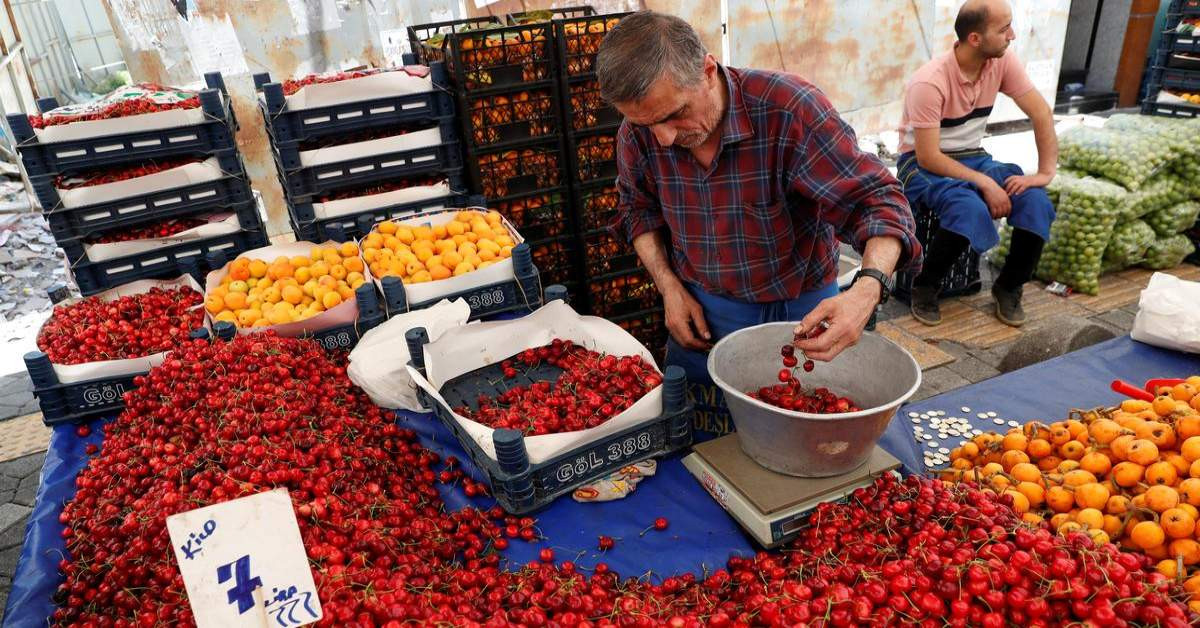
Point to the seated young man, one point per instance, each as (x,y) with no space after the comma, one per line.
(943,167)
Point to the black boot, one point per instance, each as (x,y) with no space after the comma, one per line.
(944,249)
(1023,257)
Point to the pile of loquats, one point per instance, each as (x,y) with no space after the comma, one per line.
(417,254)
(257,293)
(1128,475)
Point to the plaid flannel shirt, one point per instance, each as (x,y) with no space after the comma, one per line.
(762,222)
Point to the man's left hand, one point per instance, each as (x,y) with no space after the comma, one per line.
(847,314)
(1018,184)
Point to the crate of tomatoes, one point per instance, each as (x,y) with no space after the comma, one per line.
(572,399)
(132,124)
(301,289)
(470,254)
(92,350)
(319,105)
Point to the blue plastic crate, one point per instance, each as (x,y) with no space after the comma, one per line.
(1180,79)
(231,192)
(1181,42)
(214,134)
(345,337)
(354,226)
(316,122)
(302,182)
(521,487)
(1176,110)
(93,277)
(522,294)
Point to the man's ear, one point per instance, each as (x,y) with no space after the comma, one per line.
(710,68)
(975,39)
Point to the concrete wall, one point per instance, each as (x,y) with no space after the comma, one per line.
(1110,35)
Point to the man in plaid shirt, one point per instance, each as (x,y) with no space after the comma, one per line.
(735,187)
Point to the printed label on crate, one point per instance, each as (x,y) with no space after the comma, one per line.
(73,373)
(415,194)
(187,174)
(398,82)
(140,122)
(396,143)
(476,346)
(244,564)
(218,224)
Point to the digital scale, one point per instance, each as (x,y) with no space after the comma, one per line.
(772,506)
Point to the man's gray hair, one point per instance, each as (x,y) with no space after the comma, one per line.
(643,47)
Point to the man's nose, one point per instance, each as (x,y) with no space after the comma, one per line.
(664,133)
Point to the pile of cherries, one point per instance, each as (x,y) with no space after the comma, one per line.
(291,86)
(161,229)
(591,389)
(380,188)
(119,109)
(101,176)
(790,394)
(131,326)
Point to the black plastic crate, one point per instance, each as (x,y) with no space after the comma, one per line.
(622,293)
(521,487)
(516,171)
(650,329)
(1180,79)
(246,212)
(510,115)
(303,183)
(593,155)
(522,294)
(597,206)
(354,226)
(963,277)
(1185,7)
(481,54)
(93,277)
(1177,110)
(585,109)
(604,254)
(230,192)
(315,122)
(538,216)
(345,337)
(542,15)
(578,40)
(287,154)
(215,133)
(557,260)
(1181,42)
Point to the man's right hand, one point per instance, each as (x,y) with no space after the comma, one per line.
(685,319)
(998,202)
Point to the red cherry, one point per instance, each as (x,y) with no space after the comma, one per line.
(661,523)
(809,365)
(546,555)
(83,431)
(785,375)
(789,361)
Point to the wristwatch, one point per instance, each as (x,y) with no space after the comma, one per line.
(877,275)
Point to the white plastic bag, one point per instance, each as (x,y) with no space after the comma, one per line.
(377,363)
(1167,315)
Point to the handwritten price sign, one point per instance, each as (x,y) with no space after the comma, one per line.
(243,563)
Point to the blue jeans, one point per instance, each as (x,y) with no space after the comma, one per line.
(960,207)
(725,316)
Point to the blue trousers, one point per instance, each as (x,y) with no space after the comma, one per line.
(960,207)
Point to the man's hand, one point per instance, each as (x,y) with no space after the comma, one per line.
(1018,184)
(847,315)
(685,319)
(998,202)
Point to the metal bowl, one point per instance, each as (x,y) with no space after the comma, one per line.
(876,373)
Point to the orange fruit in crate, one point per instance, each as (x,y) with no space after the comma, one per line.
(435,252)
(281,290)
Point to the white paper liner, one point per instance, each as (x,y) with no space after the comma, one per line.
(72,373)
(187,174)
(344,206)
(381,85)
(220,224)
(344,313)
(426,291)
(168,119)
(475,346)
(396,143)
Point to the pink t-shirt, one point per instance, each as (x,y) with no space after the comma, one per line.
(938,95)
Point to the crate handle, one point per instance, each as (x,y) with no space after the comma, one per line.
(417,338)
(225,330)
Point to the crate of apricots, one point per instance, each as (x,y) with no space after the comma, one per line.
(296,289)
(1128,475)
(472,254)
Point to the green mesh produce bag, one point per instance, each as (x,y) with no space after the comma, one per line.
(1174,219)
(1168,252)
(1128,245)
(1087,212)
(1129,158)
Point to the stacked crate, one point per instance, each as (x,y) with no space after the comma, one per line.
(203,148)
(364,156)
(618,286)
(507,92)
(1174,67)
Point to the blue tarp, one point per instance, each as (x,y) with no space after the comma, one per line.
(700,534)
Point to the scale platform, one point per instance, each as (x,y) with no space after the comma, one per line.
(772,506)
